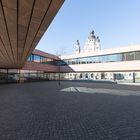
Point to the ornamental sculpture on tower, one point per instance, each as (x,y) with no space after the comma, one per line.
(92,43)
(77,47)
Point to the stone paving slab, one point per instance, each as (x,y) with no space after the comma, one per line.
(40,111)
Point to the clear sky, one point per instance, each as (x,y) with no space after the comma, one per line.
(116,22)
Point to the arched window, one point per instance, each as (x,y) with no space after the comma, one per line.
(80,75)
(86,75)
(92,75)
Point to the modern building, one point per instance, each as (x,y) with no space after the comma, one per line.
(122,64)
(39,66)
(22,24)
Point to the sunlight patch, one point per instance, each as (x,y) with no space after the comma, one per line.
(101,90)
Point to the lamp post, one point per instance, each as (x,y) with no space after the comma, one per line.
(59,64)
(59,76)
(133,77)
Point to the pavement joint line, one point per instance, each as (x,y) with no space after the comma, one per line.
(77,89)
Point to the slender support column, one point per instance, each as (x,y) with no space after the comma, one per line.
(134,80)
(114,77)
(59,76)
(6,75)
(19,76)
(75,76)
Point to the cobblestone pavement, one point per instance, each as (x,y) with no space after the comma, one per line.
(40,111)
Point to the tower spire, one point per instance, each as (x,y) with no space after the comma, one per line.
(92,43)
(77,47)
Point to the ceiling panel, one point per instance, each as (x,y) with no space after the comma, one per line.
(22,24)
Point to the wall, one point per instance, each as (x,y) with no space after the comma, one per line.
(40,67)
(111,66)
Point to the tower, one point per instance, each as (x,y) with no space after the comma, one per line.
(77,47)
(89,45)
(97,46)
(92,43)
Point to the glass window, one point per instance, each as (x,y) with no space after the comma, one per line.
(37,58)
(29,58)
(86,76)
(76,61)
(114,58)
(96,59)
(87,60)
(83,60)
(92,75)
(103,58)
(129,56)
(137,55)
(81,75)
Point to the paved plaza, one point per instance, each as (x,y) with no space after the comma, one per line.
(88,111)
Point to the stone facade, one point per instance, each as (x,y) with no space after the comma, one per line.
(77,47)
(92,44)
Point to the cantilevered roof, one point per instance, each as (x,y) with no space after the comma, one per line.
(48,55)
(22,24)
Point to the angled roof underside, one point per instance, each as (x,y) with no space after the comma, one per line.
(22,24)
(48,55)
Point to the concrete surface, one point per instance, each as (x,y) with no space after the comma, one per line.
(41,111)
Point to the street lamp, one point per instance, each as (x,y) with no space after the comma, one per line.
(59,64)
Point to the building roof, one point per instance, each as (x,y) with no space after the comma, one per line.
(22,24)
(48,55)
(129,48)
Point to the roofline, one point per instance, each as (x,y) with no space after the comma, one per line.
(129,48)
(45,54)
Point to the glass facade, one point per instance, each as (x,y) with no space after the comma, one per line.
(119,77)
(42,59)
(15,75)
(19,76)
(9,75)
(128,56)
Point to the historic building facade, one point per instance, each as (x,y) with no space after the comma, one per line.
(92,44)
(94,63)
(91,63)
